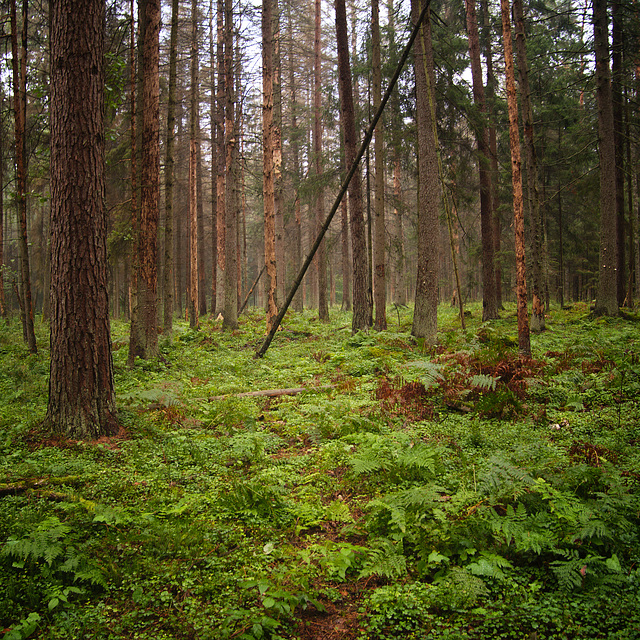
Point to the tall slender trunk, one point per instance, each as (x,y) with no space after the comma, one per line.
(3,304)
(524,342)
(361,302)
(296,222)
(215,124)
(489,303)
(425,315)
(607,293)
(379,268)
(231,177)
(531,163)
(221,167)
(150,175)
(19,67)
(268,177)
(169,171)
(321,257)
(194,283)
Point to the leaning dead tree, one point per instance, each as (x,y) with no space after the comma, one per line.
(345,184)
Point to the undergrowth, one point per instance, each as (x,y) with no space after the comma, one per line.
(458,491)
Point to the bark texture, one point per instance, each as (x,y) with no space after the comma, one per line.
(524,343)
(426,300)
(81,389)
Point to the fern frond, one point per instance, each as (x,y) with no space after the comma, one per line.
(386,560)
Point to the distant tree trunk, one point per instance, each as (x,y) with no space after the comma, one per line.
(489,303)
(607,293)
(193,306)
(215,125)
(296,222)
(202,292)
(617,47)
(3,305)
(19,67)
(150,175)
(379,245)
(321,258)
(493,153)
(537,315)
(361,302)
(347,265)
(81,388)
(169,171)
(524,343)
(222,163)
(278,180)
(268,177)
(231,153)
(425,317)
(136,334)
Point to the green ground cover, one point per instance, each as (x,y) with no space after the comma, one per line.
(453,492)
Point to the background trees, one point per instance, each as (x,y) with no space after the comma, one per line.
(562,128)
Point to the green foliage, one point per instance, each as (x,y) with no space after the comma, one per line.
(508,509)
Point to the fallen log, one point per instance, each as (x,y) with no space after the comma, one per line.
(272,393)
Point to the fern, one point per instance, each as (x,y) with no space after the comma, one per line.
(429,372)
(386,559)
(484,382)
(44,543)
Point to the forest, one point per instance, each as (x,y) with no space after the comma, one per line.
(319,320)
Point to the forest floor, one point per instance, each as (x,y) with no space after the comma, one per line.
(409,492)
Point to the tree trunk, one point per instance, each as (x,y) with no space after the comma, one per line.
(150,175)
(231,157)
(489,303)
(221,160)
(81,388)
(531,163)
(361,302)
(607,293)
(268,177)
(3,304)
(347,265)
(524,343)
(425,317)
(379,269)
(321,258)
(169,171)
(19,67)
(194,308)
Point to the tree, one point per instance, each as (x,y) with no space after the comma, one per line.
(535,213)
(268,175)
(169,172)
(19,67)
(361,302)
(607,294)
(425,315)
(193,305)
(321,259)
(81,388)
(231,178)
(489,302)
(524,344)
(3,306)
(379,273)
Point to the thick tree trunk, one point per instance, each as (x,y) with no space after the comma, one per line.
(379,268)
(425,316)
(489,303)
(524,343)
(537,248)
(169,171)
(361,302)
(347,265)
(221,160)
(607,293)
(81,388)
(19,67)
